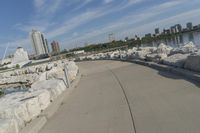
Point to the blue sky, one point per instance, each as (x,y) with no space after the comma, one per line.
(76,22)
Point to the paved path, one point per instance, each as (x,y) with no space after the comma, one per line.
(119,97)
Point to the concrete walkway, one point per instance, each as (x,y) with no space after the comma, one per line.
(119,97)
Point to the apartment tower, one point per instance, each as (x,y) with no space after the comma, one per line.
(39,43)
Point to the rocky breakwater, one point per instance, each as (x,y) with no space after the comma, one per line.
(48,81)
(187,56)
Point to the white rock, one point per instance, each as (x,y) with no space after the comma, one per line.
(33,107)
(186,49)
(72,70)
(189,48)
(193,63)
(177,60)
(22,107)
(141,54)
(8,126)
(44,99)
(114,54)
(164,49)
(54,86)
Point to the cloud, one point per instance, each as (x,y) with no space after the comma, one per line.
(87,16)
(53,7)
(108,1)
(83,4)
(39,3)
(28,28)
(122,26)
(44,8)
(72,23)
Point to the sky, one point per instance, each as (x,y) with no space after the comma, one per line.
(74,23)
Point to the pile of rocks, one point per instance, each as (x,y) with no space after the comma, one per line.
(19,108)
(178,56)
(186,56)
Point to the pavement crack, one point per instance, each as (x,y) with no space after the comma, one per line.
(126,99)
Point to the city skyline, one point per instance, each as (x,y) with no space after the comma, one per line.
(76,22)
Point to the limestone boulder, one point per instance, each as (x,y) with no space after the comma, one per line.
(8,126)
(185,49)
(176,60)
(193,62)
(164,49)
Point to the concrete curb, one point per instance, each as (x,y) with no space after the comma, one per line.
(37,124)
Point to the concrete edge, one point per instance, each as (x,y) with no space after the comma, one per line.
(37,124)
(190,75)
(178,71)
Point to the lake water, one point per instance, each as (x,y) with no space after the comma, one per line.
(179,40)
(10,90)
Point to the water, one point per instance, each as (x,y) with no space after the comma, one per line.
(179,40)
(9,90)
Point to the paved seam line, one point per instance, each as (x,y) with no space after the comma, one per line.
(127,101)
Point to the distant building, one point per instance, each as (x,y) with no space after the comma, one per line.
(20,58)
(166,31)
(126,39)
(111,37)
(178,28)
(189,26)
(55,47)
(46,41)
(195,27)
(148,35)
(172,29)
(157,32)
(39,43)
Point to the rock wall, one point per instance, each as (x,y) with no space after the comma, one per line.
(19,108)
(186,56)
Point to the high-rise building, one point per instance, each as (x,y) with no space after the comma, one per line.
(173,29)
(178,28)
(166,31)
(47,45)
(39,42)
(189,26)
(55,47)
(157,31)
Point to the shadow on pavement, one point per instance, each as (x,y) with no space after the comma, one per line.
(177,77)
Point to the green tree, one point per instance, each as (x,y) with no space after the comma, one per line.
(17,66)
